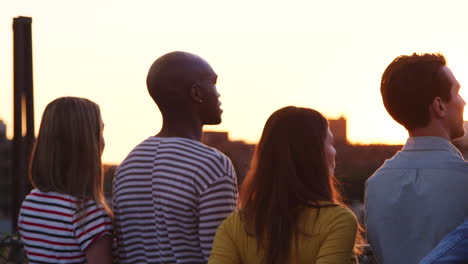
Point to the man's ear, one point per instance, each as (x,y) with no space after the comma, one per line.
(438,107)
(195,93)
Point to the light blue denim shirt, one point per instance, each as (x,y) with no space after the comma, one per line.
(453,249)
(415,199)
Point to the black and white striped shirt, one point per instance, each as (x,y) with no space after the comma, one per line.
(170,195)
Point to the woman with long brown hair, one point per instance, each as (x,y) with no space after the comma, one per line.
(290,210)
(65,218)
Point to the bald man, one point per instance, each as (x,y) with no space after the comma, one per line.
(172,191)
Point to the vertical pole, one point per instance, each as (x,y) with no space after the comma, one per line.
(23,111)
(29,98)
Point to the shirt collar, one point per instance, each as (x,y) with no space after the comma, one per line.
(430,143)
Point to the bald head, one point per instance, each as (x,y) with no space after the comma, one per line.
(184,82)
(171,75)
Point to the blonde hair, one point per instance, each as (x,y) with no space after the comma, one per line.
(67,154)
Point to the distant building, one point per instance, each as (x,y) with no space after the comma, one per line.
(338,128)
(215,138)
(109,172)
(239,152)
(354,163)
(5,171)
(462,143)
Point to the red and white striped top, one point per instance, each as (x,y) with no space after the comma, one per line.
(53,231)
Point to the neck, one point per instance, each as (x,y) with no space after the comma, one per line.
(184,127)
(431,130)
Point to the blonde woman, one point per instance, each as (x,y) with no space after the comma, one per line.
(65,218)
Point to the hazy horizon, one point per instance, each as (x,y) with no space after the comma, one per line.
(268,54)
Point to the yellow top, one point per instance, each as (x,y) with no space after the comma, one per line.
(328,238)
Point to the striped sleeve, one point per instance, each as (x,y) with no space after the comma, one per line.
(217,202)
(90,224)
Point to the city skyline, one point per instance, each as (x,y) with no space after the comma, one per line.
(268,54)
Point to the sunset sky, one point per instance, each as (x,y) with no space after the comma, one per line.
(326,55)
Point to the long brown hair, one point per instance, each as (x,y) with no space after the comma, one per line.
(67,154)
(288,172)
